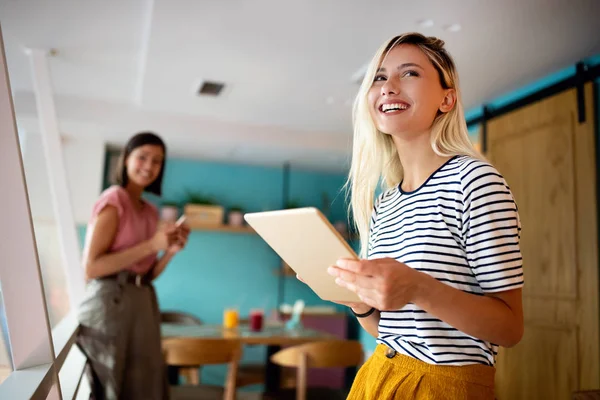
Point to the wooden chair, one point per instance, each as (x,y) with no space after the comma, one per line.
(180,318)
(250,374)
(194,352)
(326,354)
(191,375)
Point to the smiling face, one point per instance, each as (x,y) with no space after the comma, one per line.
(407,94)
(144,164)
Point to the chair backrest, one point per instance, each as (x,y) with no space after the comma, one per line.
(325,354)
(190,352)
(178,317)
(194,352)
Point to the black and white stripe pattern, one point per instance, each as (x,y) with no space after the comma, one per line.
(462,228)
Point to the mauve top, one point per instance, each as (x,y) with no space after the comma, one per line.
(135,225)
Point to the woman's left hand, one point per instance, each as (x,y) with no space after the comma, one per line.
(183,231)
(385,283)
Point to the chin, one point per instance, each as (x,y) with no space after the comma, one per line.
(395,130)
(143,183)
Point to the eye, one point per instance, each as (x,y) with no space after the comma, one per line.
(410,73)
(379,78)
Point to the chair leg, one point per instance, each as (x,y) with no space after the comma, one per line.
(301,377)
(190,375)
(230,382)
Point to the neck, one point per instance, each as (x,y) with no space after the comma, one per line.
(135,192)
(418,159)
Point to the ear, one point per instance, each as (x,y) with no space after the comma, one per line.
(449,101)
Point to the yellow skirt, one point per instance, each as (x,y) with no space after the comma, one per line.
(403,377)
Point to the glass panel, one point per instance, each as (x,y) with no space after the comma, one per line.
(5,359)
(46,227)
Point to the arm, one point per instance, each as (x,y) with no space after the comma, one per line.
(387,284)
(370,323)
(182,233)
(161,264)
(495,317)
(99,262)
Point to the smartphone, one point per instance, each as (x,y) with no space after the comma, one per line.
(180,221)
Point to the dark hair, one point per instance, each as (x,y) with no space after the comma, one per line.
(141,139)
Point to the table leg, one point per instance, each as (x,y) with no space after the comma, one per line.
(173,375)
(272,371)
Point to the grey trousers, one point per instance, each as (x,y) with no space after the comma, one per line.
(119,334)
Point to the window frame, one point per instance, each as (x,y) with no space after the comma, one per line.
(38,353)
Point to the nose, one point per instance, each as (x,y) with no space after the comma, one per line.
(389,88)
(147,166)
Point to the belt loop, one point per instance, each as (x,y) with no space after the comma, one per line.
(122,278)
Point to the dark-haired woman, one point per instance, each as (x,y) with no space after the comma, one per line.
(119,317)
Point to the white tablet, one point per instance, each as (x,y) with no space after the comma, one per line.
(309,244)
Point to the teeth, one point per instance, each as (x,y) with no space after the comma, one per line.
(393,107)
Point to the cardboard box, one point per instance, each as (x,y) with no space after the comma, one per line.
(203,215)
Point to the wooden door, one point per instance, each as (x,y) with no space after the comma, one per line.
(548,160)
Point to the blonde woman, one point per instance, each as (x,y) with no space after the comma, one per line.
(441,280)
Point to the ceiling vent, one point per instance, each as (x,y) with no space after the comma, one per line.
(210,88)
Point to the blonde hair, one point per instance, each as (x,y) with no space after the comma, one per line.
(374,157)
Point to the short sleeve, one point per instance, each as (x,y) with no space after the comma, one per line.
(110,196)
(491,229)
(372,222)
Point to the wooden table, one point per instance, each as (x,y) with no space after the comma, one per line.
(272,336)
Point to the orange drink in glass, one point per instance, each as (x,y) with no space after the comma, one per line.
(230,318)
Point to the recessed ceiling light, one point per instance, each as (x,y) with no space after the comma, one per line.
(330,100)
(425,23)
(453,28)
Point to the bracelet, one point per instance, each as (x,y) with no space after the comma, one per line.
(371,311)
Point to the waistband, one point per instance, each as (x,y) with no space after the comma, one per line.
(124,277)
(474,373)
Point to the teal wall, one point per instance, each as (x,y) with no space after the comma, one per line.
(219,269)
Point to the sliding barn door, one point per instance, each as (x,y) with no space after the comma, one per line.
(548,160)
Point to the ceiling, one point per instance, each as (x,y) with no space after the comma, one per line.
(128,65)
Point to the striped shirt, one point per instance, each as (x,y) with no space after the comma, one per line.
(461,227)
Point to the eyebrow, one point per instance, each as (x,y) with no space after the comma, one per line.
(402,66)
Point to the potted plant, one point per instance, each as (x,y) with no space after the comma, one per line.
(235,217)
(169,211)
(200,199)
(292,204)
